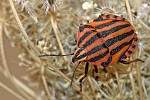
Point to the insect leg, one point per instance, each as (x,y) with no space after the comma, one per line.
(128,62)
(96,70)
(85,75)
(104,70)
(73,74)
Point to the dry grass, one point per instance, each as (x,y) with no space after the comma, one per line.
(50,26)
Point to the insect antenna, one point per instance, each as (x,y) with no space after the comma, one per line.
(42,55)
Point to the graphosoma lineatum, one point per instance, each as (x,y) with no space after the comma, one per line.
(105,41)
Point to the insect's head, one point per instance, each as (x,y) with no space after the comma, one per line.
(79,55)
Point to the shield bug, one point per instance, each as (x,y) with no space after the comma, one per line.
(103,42)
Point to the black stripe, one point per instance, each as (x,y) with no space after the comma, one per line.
(123,19)
(98,19)
(106,24)
(135,39)
(98,36)
(109,43)
(75,58)
(84,36)
(129,51)
(104,64)
(112,30)
(97,48)
(82,56)
(105,33)
(122,57)
(115,50)
(107,16)
(133,46)
(113,40)
(100,56)
(115,16)
(78,52)
(81,28)
(118,48)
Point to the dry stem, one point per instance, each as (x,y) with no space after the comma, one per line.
(12,91)
(119,86)
(133,85)
(56,32)
(137,67)
(36,52)
(146,27)
(9,75)
(129,11)
(45,83)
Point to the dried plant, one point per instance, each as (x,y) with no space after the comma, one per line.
(50,27)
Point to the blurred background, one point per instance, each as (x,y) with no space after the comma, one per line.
(29,28)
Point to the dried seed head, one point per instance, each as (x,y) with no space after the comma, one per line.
(107,11)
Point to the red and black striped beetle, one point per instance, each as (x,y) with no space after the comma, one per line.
(103,42)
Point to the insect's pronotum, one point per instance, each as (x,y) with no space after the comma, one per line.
(103,42)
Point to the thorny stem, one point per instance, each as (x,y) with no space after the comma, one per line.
(36,51)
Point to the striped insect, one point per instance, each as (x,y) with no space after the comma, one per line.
(103,42)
